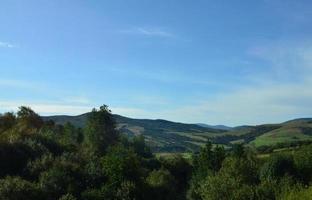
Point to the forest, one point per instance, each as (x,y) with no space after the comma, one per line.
(44,160)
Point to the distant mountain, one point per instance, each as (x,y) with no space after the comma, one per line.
(161,135)
(221,127)
(167,136)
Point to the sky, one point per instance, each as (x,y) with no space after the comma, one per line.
(228,62)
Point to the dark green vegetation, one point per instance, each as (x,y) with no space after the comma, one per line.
(43,160)
(240,174)
(166,136)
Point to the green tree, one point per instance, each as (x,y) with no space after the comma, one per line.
(15,188)
(63,177)
(303,162)
(71,134)
(14,158)
(121,164)
(162,185)
(209,159)
(28,119)
(223,187)
(297,193)
(100,130)
(140,147)
(277,167)
(68,197)
(206,163)
(181,170)
(235,180)
(244,170)
(7,121)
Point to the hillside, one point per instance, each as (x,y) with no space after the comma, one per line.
(161,135)
(269,134)
(167,136)
(221,127)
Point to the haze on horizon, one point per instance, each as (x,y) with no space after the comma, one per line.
(215,62)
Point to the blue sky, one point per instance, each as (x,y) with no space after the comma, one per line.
(216,62)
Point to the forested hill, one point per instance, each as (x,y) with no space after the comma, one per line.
(167,136)
(161,135)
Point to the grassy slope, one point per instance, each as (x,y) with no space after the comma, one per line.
(271,134)
(296,130)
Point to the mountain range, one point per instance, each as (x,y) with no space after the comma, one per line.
(166,136)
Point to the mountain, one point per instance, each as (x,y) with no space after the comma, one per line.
(167,136)
(221,127)
(161,135)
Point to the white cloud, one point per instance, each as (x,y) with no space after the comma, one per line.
(270,98)
(46,108)
(62,102)
(7,45)
(151,32)
(76,99)
(266,100)
(284,57)
(132,112)
(249,105)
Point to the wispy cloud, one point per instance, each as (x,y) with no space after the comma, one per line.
(7,45)
(269,98)
(249,105)
(151,32)
(46,108)
(76,99)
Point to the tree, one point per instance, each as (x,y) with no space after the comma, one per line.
(63,177)
(297,193)
(206,163)
(27,118)
(100,130)
(140,147)
(15,188)
(180,169)
(126,191)
(303,162)
(235,180)
(121,164)
(7,121)
(224,187)
(13,158)
(162,185)
(120,172)
(209,159)
(72,135)
(68,197)
(277,167)
(244,170)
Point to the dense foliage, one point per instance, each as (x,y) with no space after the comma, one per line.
(42,160)
(243,174)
